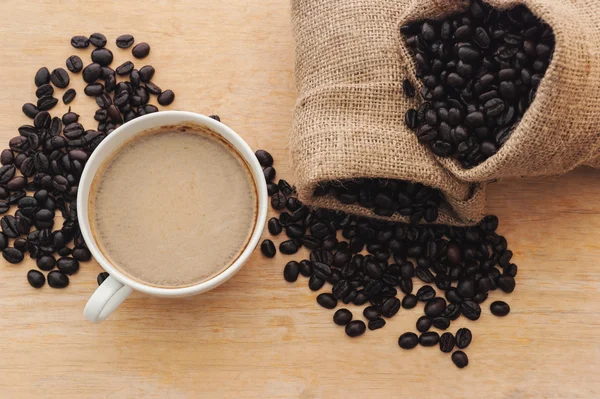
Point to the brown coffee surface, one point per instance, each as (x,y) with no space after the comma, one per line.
(173,207)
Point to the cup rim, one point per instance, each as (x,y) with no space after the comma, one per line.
(156,119)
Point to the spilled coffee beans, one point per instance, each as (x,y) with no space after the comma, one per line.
(43,164)
(372,263)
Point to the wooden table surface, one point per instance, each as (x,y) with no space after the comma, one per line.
(258,336)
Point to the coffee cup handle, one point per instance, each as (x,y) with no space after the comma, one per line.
(106,299)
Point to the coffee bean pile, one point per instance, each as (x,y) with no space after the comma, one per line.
(480,71)
(387,196)
(41,168)
(374,263)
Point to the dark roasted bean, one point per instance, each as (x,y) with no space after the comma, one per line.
(291,271)
(327,301)
(423,324)
(57,279)
(408,340)
(409,301)
(376,324)
(98,39)
(268,248)
(125,41)
(499,308)
(342,317)
(447,342)
(12,255)
(36,279)
(460,359)
(140,50)
(430,338)
(69,96)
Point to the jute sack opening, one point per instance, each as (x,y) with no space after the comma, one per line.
(349,118)
(561,129)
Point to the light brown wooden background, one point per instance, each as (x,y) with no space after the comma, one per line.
(258,336)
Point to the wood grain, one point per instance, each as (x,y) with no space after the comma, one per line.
(258,336)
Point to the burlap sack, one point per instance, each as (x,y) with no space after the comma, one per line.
(349,118)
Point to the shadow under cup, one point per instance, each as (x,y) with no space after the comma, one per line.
(168,255)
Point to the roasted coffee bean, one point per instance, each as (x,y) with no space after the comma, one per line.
(15,197)
(342,317)
(341,289)
(30,110)
(68,265)
(306,268)
(390,307)
(423,324)
(269,172)
(409,89)
(125,68)
(264,158)
(278,201)
(327,301)
(46,262)
(430,338)
(149,108)
(371,313)
(42,76)
(291,271)
(425,293)
(424,275)
(408,340)
(470,310)
(499,308)
(45,90)
(153,89)
(466,288)
(102,56)
(376,324)
(80,42)
(463,338)
(69,96)
(268,248)
(46,103)
(140,50)
(59,78)
(315,283)
(435,307)
(4,206)
(93,89)
(7,172)
(36,279)
(274,226)
(447,342)
(70,117)
(125,41)
(104,101)
(101,277)
(166,97)
(98,40)
(409,301)
(3,241)
(12,255)
(355,328)
(56,279)
(441,322)
(17,183)
(92,72)
(460,359)
(74,64)
(146,73)
(506,283)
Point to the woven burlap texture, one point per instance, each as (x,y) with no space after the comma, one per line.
(349,117)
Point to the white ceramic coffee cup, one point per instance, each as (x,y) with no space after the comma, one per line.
(116,288)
